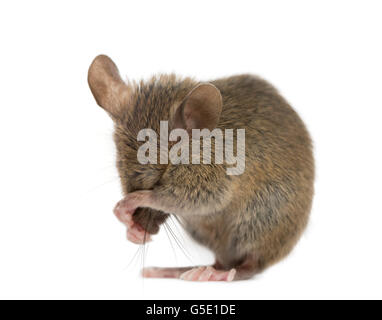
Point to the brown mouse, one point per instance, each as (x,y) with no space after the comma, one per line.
(250,220)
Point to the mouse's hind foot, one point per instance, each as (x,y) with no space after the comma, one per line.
(242,271)
(190,273)
(208,274)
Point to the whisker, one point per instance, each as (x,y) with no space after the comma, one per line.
(133,258)
(180,233)
(144,240)
(169,239)
(179,221)
(102,184)
(180,245)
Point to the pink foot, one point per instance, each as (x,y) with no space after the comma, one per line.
(190,274)
(208,274)
(163,272)
(135,233)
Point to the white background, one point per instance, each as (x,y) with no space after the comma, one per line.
(58,183)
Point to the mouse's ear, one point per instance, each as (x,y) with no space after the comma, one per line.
(200,109)
(109,90)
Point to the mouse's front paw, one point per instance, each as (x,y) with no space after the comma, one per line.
(124,211)
(137,234)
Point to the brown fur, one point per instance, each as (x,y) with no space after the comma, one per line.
(249,221)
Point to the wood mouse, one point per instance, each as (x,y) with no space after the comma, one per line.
(250,220)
